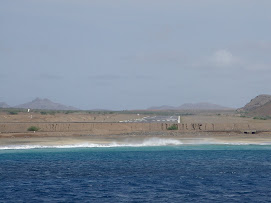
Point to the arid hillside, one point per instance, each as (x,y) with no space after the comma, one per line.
(264,110)
(259,106)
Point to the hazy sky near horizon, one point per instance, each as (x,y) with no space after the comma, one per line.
(125,54)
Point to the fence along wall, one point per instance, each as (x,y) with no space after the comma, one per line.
(119,128)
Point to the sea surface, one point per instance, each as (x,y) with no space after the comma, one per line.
(179,173)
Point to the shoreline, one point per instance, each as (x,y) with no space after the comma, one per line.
(131,139)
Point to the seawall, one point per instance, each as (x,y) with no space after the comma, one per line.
(120,128)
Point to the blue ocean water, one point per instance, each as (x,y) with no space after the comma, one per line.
(204,173)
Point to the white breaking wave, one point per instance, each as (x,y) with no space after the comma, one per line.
(130,142)
(150,142)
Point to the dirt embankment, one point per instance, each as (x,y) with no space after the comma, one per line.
(108,124)
(124,128)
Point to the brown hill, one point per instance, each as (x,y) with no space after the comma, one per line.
(163,107)
(45,104)
(260,106)
(257,102)
(202,106)
(264,110)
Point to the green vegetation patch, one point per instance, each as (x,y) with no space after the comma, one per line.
(33,128)
(13,112)
(173,127)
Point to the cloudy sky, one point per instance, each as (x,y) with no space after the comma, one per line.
(130,54)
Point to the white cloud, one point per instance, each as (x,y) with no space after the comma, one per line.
(222,58)
(219,59)
(225,59)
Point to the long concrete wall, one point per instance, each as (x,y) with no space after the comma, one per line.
(119,128)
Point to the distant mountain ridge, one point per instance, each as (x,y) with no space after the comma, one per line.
(44,104)
(191,106)
(163,107)
(4,105)
(260,105)
(203,106)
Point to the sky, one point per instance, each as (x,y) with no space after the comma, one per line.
(124,54)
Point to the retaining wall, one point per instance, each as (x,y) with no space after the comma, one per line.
(119,128)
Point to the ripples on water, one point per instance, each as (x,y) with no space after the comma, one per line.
(171,174)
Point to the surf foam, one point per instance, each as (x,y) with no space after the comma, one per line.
(126,143)
(132,142)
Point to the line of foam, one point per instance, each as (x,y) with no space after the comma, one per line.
(127,143)
(149,142)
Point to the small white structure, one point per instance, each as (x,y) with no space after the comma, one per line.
(179,119)
(28,110)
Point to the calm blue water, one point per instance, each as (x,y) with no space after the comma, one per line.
(144,174)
